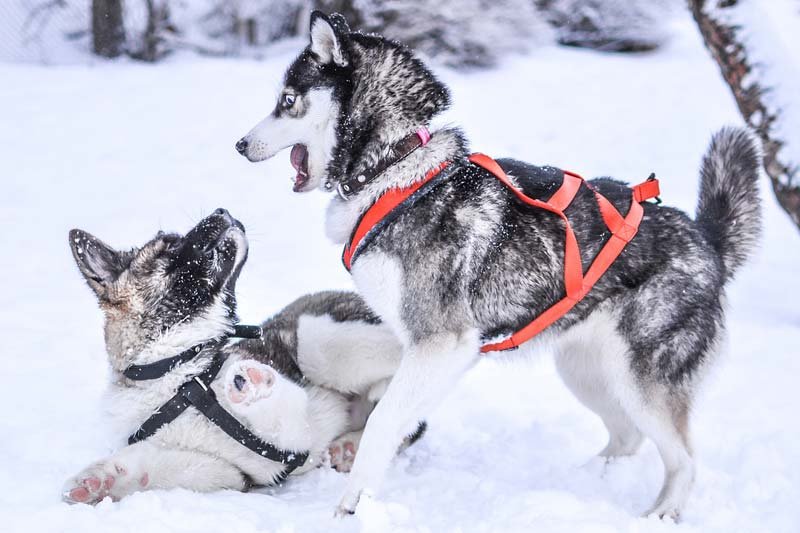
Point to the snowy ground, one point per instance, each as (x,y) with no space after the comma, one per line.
(125,149)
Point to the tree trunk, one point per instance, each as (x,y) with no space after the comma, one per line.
(731,54)
(108,33)
(151,45)
(150,39)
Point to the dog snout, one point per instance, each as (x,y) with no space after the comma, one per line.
(224,214)
(241,145)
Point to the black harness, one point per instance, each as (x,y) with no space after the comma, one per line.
(197,393)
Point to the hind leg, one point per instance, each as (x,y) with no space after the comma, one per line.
(594,362)
(342,451)
(668,427)
(624,438)
(145,466)
(591,360)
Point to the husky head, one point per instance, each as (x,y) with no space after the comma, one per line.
(171,293)
(345,99)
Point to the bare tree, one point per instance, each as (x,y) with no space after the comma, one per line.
(108,33)
(151,46)
(730,52)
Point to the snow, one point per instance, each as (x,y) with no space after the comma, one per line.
(123,149)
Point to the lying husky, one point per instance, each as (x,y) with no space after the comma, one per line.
(464,261)
(294,387)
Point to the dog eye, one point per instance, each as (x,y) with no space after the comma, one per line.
(288,100)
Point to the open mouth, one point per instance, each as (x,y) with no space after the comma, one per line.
(225,236)
(299,159)
(230,239)
(230,249)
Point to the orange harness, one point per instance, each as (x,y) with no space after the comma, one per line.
(577,285)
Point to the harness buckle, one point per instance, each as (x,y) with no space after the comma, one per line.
(200,382)
(247,332)
(652,177)
(648,189)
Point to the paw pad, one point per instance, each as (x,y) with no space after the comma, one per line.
(249,381)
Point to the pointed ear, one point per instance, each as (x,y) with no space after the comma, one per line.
(328,36)
(100,264)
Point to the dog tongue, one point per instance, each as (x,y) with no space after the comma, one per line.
(299,159)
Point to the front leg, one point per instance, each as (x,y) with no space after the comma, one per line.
(342,451)
(428,370)
(270,404)
(146,466)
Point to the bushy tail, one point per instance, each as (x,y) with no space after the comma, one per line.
(729,208)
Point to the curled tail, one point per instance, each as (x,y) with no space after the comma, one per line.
(729,208)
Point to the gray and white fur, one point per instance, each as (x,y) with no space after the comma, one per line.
(295,387)
(468,262)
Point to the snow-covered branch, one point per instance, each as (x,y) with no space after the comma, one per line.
(750,44)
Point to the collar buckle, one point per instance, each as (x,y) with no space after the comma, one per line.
(341,189)
(405,146)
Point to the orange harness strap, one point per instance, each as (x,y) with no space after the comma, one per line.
(576,284)
(380,209)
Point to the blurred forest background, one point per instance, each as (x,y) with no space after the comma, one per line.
(460,34)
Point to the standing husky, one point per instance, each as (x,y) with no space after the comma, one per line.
(176,292)
(467,261)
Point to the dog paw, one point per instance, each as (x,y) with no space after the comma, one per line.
(102,480)
(342,452)
(347,506)
(343,512)
(248,382)
(597,466)
(664,513)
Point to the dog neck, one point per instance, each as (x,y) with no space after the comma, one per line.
(210,326)
(400,150)
(446,144)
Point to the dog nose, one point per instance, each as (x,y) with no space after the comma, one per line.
(241,146)
(222,212)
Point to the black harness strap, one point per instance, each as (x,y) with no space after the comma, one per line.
(176,405)
(163,366)
(203,398)
(197,393)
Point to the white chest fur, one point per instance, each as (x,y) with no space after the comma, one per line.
(379,279)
